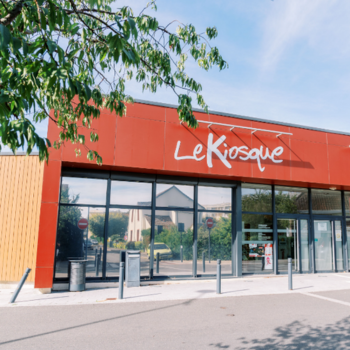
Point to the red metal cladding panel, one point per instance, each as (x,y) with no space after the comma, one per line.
(53,134)
(140,143)
(43,277)
(51,183)
(47,235)
(105,127)
(339,164)
(143,111)
(309,161)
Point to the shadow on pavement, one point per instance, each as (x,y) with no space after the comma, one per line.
(186,302)
(297,335)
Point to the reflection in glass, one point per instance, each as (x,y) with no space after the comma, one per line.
(291,200)
(83,191)
(173,241)
(304,249)
(131,193)
(348,238)
(339,245)
(214,198)
(326,202)
(287,231)
(256,198)
(214,243)
(176,196)
(74,243)
(347,202)
(127,229)
(323,245)
(257,243)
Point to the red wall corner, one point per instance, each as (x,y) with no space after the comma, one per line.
(48,225)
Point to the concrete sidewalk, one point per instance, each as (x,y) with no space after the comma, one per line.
(183,290)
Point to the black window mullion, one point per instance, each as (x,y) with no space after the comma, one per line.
(275,235)
(195,228)
(153,221)
(345,238)
(108,198)
(311,236)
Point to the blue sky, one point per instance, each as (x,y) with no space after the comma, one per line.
(288,59)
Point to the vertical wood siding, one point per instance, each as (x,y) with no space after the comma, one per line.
(21,181)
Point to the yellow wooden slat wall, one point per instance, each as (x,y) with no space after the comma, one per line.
(21,181)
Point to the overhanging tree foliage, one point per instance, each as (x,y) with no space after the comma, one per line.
(74,57)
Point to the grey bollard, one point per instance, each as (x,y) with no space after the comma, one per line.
(181,253)
(95,258)
(218,277)
(121,281)
(20,285)
(290,282)
(98,258)
(203,258)
(157,261)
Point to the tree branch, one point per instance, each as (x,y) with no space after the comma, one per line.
(12,15)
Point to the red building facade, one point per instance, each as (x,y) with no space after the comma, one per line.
(225,149)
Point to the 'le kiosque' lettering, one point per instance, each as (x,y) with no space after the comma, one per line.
(232,153)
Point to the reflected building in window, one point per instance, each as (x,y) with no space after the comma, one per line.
(173,197)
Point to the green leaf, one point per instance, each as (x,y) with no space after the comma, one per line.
(5,37)
(25,47)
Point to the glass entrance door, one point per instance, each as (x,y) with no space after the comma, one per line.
(288,244)
(328,245)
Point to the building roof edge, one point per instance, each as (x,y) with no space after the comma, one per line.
(160,104)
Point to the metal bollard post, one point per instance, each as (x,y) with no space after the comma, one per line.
(218,277)
(290,282)
(121,281)
(95,257)
(97,263)
(203,258)
(157,261)
(181,253)
(20,285)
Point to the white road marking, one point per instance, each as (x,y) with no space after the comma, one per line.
(325,298)
(343,276)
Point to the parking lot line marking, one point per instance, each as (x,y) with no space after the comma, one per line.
(325,298)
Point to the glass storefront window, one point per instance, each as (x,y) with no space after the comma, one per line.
(326,202)
(291,200)
(76,190)
(257,243)
(176,196)
(256,198)
(214,198)
(131,193)
(73,243)
(173,240)
(127,229)
(214,242)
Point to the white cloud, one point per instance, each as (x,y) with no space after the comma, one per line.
(321,24)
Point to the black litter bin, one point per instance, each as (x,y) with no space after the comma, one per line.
(77,274)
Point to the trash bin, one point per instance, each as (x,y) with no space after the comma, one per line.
(77,273)
(133,268)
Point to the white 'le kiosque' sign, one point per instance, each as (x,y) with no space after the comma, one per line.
(232,153)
